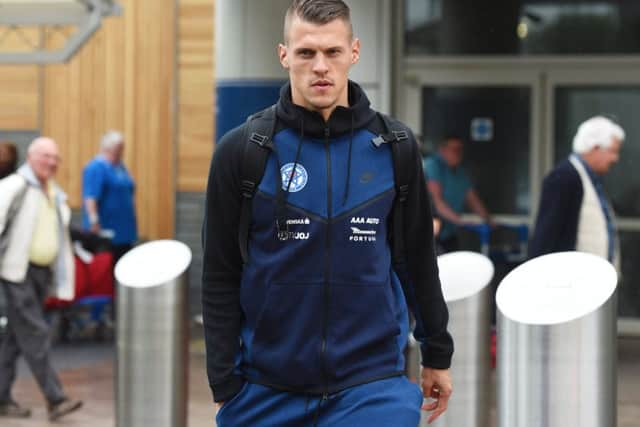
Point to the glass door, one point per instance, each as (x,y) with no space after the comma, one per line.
(518,121)
(574,96)
(495,112)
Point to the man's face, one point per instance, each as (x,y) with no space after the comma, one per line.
(607,157)
(44,160)
(117,152)
(318,58)
(453,152)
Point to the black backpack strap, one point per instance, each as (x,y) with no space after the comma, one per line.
(402,152)
(258,134)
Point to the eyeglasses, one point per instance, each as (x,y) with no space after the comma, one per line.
(50,157)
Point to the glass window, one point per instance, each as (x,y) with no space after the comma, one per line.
(493,123)
(575,104)
(21,139)
(522,27)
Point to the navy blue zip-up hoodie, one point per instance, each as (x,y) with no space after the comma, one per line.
(320,308)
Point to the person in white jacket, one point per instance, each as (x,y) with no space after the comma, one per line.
(35,261)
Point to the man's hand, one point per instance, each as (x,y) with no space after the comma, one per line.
(437,225)
(219,405)
(436,384)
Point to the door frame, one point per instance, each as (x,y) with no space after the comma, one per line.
(579,77)
(542,72)
(543,80)
(602,77)
(417,75)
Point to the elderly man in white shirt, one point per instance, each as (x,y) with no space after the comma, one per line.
(35,261)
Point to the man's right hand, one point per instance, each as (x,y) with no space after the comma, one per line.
(436,385)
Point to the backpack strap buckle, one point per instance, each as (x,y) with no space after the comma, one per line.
(403,193)
(400,135)
(247,188)
(261,140)
(394,136)
(384,138)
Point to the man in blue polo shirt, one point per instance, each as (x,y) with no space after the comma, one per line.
(108,194)
(451,189)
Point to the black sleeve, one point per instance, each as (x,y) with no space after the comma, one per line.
(222,267)
(430,308)
(557,221)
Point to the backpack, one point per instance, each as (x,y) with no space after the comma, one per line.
(259,130)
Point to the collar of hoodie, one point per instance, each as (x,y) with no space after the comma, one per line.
(343,120)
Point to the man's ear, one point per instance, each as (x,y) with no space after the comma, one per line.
(355,51)
(283,56)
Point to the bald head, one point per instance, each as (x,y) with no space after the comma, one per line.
(42,143)
(43,157)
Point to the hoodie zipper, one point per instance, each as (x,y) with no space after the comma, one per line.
(327,267)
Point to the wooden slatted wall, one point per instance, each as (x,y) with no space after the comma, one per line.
(20,84)
(19,100)
(195,59)
(128,77)
(124,79)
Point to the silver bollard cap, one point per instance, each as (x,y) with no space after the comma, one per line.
(556,288)
(153,264)
(464,274)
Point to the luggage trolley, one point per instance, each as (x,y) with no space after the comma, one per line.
(89,314)
(512,245)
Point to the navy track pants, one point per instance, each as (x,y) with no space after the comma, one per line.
(392,402)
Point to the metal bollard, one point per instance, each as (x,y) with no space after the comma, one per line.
(557,343)
(465,277)
(152,335)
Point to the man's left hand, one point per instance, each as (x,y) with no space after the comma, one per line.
(436,384)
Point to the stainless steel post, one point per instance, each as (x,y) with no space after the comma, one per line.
(152,335)
(557,343)
(465,277)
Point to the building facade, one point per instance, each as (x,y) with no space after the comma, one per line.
(514,78)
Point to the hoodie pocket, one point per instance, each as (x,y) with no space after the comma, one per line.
(287,337)
(363,330)
(227,405)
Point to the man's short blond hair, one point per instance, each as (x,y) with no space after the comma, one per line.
(317,12)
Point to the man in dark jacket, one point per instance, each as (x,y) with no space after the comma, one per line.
(310,330)
(574,212)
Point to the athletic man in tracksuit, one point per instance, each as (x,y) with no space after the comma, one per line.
(310,330)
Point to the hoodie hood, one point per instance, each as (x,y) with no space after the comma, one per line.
(343,120)
(29,175)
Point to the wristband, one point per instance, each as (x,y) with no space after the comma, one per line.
(93,218)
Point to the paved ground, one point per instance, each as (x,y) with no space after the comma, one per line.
(87,371)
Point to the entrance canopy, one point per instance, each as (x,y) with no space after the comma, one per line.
(27,26)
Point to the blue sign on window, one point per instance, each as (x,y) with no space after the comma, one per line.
(482,129)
